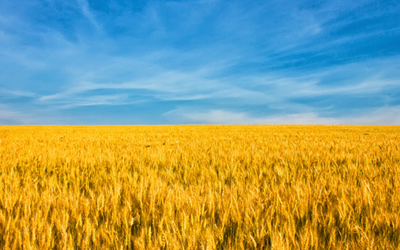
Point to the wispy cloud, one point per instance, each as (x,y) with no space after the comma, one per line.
(12,116)
(83,4)
(316,62)
(381,116)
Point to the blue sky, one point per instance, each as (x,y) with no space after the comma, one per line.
(199,62)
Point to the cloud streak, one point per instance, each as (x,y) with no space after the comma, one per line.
(381,116)
(259,61)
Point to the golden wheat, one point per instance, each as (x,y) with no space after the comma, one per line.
(200,187)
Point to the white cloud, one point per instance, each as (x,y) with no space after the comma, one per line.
(229,117)
(9,116)
(96,100)
(386,116)
(18,93)
(84,6)
(203,83)
(177,52)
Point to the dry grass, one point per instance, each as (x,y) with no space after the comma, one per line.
(200,187)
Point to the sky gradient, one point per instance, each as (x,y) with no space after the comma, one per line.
(125,62)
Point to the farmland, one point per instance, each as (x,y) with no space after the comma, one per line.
(200,187)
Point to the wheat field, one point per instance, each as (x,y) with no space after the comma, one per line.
(200,187)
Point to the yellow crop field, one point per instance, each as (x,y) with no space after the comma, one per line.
(200,187)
